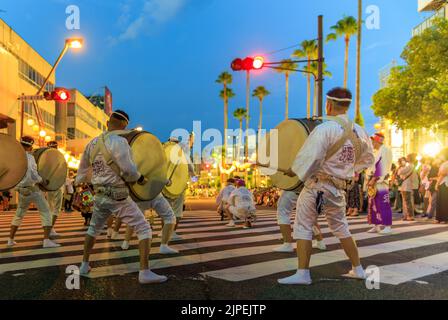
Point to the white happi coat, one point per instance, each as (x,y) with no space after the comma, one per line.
(223,196)
(311,161)
(241,203)
(104,175)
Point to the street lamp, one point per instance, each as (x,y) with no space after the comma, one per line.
(74,43)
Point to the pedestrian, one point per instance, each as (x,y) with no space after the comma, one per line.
(406,187)
(330,156)
(380,212)
(69,192)
(442,190)
(395,181)
(6,198)
(354,197)
(29,192)
(430,187)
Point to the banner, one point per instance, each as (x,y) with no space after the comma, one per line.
(107,101)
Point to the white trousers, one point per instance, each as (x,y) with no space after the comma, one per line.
(36,197)
(161,206)
(177,205)
(334,209)
(243,212)
(285,208)
(54,199)
(127,210)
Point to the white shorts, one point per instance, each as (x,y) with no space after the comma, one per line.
(161,206)
(334,209)
(127,210)
(177,205)
(36,197)
(54,199)
(285,208)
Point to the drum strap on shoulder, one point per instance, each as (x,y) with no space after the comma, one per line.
(100,147)
(349,134)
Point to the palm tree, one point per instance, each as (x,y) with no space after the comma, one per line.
(225,79)
(240,114)
(314,68)
(260,93)
(308,50)
(358,116)
(287,67)
(346,27)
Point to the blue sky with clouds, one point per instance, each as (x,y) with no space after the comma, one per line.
(160,58)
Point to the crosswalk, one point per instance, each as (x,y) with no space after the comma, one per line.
(210,249)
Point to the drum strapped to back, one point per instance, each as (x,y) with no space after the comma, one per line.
(291,135)
(13,162)
(51,166)
(149,157)
(177,170)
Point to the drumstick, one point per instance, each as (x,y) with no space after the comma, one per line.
(175,167)
(269,167)
(3,172)
(54,171)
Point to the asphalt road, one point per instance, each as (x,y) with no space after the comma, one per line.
(209,249)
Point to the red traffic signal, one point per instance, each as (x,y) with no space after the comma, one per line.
(248,64)
(237,64)
(59,94)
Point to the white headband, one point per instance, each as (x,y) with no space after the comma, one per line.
(121,115)
(340,100)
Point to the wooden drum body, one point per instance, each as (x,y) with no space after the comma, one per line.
(291,135)
(13,162)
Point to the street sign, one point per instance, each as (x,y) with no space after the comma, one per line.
(31,98)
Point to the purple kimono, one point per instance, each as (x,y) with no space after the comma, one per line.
(380,212)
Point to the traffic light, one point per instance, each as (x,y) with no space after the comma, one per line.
(248,64)
(59,94)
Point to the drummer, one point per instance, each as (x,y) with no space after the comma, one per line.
(29,192)
(55,198)
(178,203)
(286,205)
(110,158)
(328,159)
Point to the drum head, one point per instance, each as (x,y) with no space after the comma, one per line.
(177,170)
(291,135)
(51,166)
(148,155)
(13,162)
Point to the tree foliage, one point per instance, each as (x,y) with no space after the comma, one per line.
(417,93)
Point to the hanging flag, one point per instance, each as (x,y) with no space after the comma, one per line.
(107,101)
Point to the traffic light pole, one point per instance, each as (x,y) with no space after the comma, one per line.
(320,74)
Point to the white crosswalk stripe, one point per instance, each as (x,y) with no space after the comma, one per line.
(231,254)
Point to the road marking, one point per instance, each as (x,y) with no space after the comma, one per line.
(399,273)
(120,269)
(257,270)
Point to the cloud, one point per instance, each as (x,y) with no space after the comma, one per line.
(376,45)
(153,13)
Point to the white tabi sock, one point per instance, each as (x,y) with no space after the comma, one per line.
(302,277)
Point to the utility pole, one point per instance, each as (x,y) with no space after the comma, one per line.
(320,76)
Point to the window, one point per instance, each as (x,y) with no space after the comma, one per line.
(29,74)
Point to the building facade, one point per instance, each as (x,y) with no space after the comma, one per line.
(23,71)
